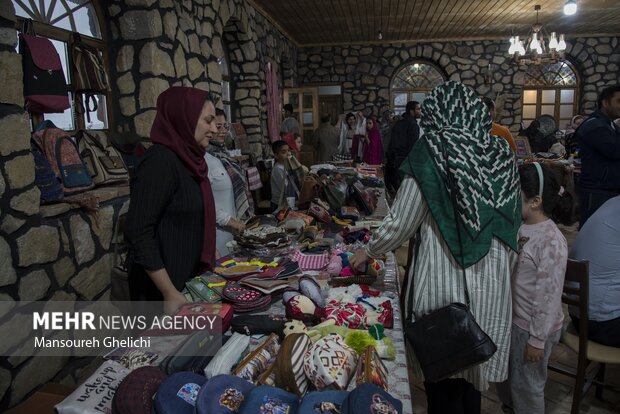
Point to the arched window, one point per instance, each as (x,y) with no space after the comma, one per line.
(550,89)
(56,19)
(412,82)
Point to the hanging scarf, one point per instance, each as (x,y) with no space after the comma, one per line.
(178,109)
(457,123)
(243,198)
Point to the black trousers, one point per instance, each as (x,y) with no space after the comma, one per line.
(452,396)
(605,333)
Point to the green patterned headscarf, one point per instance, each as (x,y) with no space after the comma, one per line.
(456,122)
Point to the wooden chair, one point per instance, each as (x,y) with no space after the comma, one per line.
(576,293)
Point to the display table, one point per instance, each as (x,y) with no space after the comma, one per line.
(398,379)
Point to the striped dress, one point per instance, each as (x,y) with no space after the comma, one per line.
(438,279)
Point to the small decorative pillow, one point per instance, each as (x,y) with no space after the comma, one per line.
(330,362)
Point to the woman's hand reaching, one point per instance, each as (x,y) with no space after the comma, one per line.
(359,260)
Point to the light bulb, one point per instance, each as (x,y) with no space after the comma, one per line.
(570,7)
(561,44)
(553,43)
(534,44)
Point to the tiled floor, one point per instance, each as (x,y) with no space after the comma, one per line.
(558,392)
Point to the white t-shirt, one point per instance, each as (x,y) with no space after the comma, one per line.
(224,198)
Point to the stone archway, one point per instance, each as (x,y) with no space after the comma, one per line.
(244,79)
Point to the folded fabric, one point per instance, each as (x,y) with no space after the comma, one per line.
(311,261)
(350,315)
(266,286)
(349,213)
(254,182)
(244,299)
(298,215)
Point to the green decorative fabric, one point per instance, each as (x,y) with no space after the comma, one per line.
(457,123)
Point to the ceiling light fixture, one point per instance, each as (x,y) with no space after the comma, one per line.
(539,52)
(570,7)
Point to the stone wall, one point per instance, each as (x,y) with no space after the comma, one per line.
(156,44)
(46,252)
(365,72)
(63,253)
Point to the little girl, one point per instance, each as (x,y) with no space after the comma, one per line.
(536,289)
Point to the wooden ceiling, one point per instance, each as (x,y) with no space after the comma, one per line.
(341,22)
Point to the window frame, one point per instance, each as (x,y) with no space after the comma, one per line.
(63,35)
(411,91)
(557,101)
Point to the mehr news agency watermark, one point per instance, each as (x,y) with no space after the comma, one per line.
(92,328)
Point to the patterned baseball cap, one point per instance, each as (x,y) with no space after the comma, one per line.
(178,393)
(223,394)
(322,402)
(368,398)
(265,399)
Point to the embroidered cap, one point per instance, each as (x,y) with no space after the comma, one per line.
(178,393)
(223,394)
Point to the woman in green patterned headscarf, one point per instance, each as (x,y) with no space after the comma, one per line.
(456,128)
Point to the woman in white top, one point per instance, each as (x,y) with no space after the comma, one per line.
(227,212)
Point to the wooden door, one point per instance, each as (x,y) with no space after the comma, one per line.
(330,104)
(305,103)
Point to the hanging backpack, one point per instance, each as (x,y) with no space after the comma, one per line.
(44,177)
(90,77)
(104,162)
(64,158)
(45,87)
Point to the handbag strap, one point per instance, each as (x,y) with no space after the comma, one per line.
(453,191)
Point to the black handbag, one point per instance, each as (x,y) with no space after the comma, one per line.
(448,340)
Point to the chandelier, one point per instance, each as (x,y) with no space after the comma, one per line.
(537,51)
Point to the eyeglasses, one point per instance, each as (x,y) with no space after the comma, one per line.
(222,127)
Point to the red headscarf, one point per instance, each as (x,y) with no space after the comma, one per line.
(178,109)
(292,145)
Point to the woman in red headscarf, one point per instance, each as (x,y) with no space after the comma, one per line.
(294,144)
(171,220)
(373,147)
